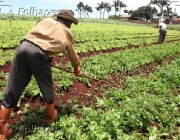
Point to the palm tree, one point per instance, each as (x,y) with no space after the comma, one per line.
(115,5)
(118,4)
(100,7)
(88,10)
(85,10)
(161,4)
(168,11)
(105,8)
(108,8)
(80,8)
(121,5)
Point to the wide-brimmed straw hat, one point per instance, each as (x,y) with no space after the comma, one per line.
(67,14)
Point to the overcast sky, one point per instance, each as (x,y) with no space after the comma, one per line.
(22,6)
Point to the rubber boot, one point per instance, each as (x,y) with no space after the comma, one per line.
(51,113)
(159,41)
(5,132)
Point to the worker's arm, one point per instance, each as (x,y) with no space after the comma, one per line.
(72,54)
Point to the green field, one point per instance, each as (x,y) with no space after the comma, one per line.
(145,106)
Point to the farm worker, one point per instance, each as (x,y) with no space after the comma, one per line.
(48,37)
(162,31)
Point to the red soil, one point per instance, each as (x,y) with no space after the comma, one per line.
(84,95)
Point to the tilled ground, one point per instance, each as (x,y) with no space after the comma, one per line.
(81,93)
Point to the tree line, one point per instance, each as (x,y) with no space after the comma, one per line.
(145,12)
(102,7)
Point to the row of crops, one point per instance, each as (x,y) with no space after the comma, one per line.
(146,108)
(96,37)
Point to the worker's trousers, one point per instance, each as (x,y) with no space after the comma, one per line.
(28,60)
(162,36)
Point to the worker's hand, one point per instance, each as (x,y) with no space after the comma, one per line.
(77,71)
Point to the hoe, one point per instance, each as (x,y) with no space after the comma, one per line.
(83,75)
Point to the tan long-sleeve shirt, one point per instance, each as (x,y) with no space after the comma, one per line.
(52,35)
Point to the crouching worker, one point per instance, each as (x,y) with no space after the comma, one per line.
(162,32)
(48,37)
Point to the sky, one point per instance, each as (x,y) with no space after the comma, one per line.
(50,7)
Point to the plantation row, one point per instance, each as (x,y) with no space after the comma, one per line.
(104,65)
(146,108)
(88,36)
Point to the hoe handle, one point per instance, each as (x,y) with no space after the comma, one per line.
(69,71)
